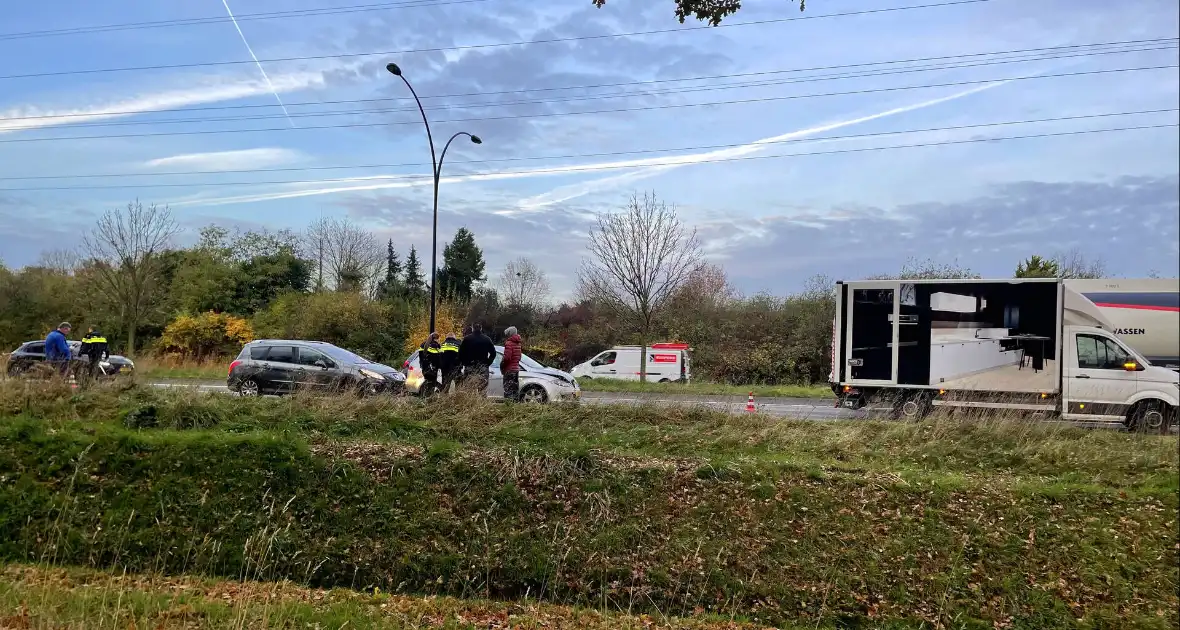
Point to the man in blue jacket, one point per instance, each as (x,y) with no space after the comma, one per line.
(57,349)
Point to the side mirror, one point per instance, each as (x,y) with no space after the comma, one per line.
(321,364)
(1132,366)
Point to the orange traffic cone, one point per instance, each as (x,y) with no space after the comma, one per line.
(750,403)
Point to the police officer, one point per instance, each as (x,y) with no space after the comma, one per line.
(448,361)
(428,357)
(94,348)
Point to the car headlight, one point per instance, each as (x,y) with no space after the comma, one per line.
(371,374)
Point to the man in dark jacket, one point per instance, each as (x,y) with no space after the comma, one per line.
(476,354)
(428,360)
(57,348)
(448,361)
(510,364)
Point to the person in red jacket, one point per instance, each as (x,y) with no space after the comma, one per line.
(510,364)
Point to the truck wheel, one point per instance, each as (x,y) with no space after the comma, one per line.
(1151,417)
(912,408)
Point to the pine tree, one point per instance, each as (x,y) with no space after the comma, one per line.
(1037,267)
(463,266)
(414,285)
(391,285)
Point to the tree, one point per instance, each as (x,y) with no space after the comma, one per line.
(463,267)
(347,256)
(712,11)
(1037,267)
(929,269)
(639,259)
(523,284)
(1073,264)
(391,285)
(414,285)
(124,250)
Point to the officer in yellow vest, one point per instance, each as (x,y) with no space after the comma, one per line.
(428,356)
(448,361)
(94,348)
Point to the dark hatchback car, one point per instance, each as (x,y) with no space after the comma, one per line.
(278,366)
(31,353)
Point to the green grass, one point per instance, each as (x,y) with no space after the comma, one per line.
(152,368)
(706,389)
(960,523)
(36,597)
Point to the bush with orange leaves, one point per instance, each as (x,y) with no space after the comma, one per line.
(205,335)
(449,318)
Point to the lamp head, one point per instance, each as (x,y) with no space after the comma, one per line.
(475,139)
(393,69)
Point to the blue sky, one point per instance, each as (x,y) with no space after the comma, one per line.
(843,209)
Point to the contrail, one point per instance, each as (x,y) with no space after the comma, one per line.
(565,193)
(256,62)
(648,167)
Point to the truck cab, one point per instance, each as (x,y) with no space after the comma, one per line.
(1105,380)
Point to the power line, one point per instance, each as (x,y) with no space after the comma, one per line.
(496,45)
(268,15)
(600,111)
(567,99)
(608,154)
(1164,42)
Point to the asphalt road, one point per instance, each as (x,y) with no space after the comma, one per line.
(815,409)
(798,408)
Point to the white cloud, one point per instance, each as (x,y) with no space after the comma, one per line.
(199,91)
(228,160)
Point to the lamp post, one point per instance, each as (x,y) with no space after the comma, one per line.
(437,173)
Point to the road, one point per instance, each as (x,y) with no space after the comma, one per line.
(815,409)
(799,408)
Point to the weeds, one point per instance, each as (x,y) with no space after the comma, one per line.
(950,523)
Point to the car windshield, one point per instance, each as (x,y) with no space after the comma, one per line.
(342,355)
(529,363)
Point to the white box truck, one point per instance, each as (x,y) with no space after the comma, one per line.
(1025,345)
(666,362)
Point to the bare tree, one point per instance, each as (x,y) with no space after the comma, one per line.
(125,250)
(1073,264)
(347,256)
(63,261)
(523,284)
(639,259)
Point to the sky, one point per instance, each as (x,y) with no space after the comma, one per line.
(843,140)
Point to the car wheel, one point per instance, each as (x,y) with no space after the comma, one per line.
(533,394)
(248,387)
(1150,417)
(15,370)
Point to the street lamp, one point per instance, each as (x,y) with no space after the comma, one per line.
(437,172)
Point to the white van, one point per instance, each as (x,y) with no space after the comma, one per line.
(666,362)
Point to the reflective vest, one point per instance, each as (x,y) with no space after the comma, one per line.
(93,346)
(449,346)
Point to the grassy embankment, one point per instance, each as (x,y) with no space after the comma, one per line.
(36,597)
(970,524)
(150,369)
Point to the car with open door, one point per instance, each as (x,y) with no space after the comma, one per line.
(538,384)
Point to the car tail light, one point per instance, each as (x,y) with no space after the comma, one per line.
(233,365)
(409,368)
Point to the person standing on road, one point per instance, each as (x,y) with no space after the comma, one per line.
(477,353)
(94,349)
(57,348)
(428,359)
(448,361)
(510,364)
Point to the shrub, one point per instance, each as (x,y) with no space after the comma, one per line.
(207,334)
